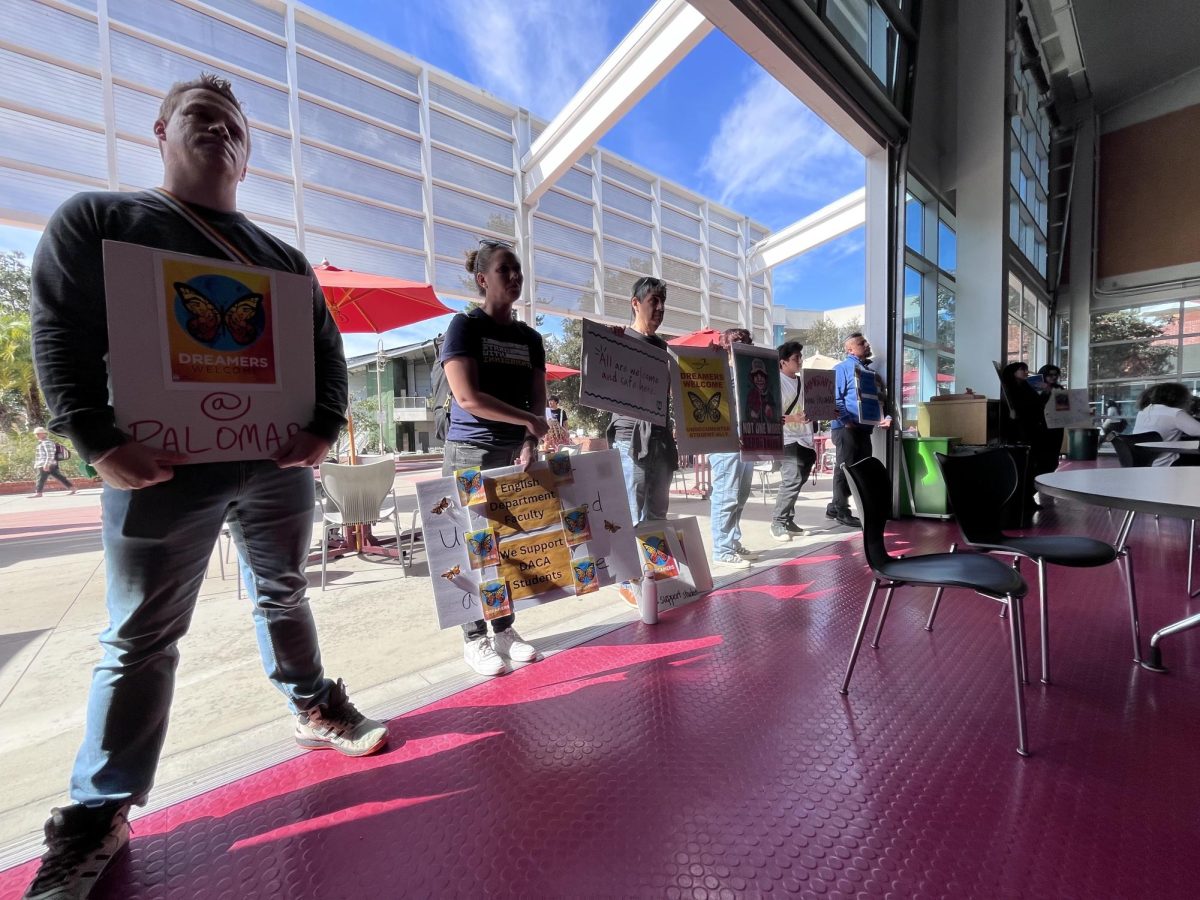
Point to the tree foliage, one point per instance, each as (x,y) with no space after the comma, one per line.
(21,403)
(568,351)
(827,337)
(1136,356)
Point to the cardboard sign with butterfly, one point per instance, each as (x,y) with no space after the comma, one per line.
(480,563)
(704,408)
(208,357)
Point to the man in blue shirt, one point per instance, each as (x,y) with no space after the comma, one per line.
(851,438)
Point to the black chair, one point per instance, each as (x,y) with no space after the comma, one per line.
(976,572)
(978,486)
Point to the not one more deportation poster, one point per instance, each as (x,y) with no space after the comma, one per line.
(759,403)
(207,357)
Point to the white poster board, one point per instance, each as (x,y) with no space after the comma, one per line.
(695,578)
(538,523)
(705,417)
(206,357)
(819,394)
(1067,408)
(623,374)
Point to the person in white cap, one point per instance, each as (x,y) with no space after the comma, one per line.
(46,459)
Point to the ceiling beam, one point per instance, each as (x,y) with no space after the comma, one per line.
(655,45)
(824,225)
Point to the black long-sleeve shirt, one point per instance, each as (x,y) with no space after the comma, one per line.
(69,308)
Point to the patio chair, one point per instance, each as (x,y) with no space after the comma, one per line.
(764,469)
(979,485)
(357,495)
(983,574)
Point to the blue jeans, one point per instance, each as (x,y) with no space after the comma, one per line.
(648,486)
(731,483)
(157,544)
(460,455)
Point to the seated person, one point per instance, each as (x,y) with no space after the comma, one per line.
(1164,408)
(1112,423)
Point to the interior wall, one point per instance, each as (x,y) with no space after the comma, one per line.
(1149,196)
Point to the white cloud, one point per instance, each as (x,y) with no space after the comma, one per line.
(537,53)
(770,146)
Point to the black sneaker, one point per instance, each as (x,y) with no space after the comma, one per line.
(831,511)
(80,843)
(792,528)
(849,520)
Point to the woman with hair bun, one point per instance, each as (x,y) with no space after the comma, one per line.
(1164,408)
(496,369)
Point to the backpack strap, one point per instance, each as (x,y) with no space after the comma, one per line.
(179,207)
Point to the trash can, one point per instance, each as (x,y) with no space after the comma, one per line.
(1082,443)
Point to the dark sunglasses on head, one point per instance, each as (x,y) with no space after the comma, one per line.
(494,244)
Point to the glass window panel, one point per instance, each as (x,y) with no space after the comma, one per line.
(683,299)
(354,93)
(576,182)
(758,296)
(1012,346)
(203,34)
(725,221)
(616,173)
(37,194)
(560,297)
(283,232)
(676,321)
(455,133)
(677,271)
(620,284)
(722,239)
(945,374)
(1191,316)
(914,224)
(336,171)
(911,393)
(449,240)
(724,309)
(684,249)
(453,277)
(473,211)
(560,268)
(1139,359)
(618,254)
(566,208)
(1014,295)
(271,152)
(340,214)
(363,257)
(912,302)
(723,262)
(53,88)
(341,130)
(157,68)
(687,204)
(758,278)
(616,307)
(51,31)
(268,196)
(477,111)
(947,248)
(1191,355)
(945,316)
(269,19)
(718,284)
(138,166)
(757,234)
(311,36)
(681,223)
(136,111)
(560,237)
(450,167)
(626,201)
(31,139)
(627,229)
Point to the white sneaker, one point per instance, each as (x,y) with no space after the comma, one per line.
(481,656)
(730,561)
(80,843)
(337,725)
(510,646)
(744,553)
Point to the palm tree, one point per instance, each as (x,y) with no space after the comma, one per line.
(18,379)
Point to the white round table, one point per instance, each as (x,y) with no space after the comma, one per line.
(1188,448)
(1159,490)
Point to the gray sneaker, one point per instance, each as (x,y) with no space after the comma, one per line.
(730,561)
(337,725)
(80,843)
(781,534)
(745,553)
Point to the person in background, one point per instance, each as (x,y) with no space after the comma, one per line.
(1024,420)
(162,511)
(851,438)
(732,478)
(1164,408)
(46,457)
(1112,424)
(496,369)
(649,456)
(555,413)
(1047,455)
(798,453)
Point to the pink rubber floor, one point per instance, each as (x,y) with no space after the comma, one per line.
(711,756)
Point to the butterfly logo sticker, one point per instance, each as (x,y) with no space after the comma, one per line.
(705,410)
(207,321)
(482,548)
(470,486)
(611,526)
(441,506)
(451,573)
(583,573)
(576,525)
(560,467)
(657,556)
(493,596)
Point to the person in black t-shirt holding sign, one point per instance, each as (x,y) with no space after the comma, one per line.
(496,368)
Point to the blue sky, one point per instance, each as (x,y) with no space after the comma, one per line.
(717,124)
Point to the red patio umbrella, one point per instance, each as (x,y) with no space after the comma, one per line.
(701,338)
(557,373)
(373,304)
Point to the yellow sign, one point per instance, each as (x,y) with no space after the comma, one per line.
(522,502)
(704,408)
(534,564)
